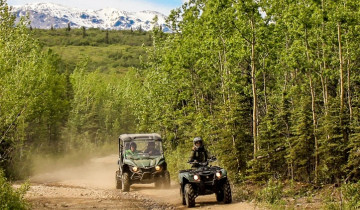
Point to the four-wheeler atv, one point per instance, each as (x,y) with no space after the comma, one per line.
(204,180)
(141,160)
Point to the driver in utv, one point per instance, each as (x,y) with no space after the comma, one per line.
(199,153)
(151,149)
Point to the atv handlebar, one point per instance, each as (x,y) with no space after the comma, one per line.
(211,159)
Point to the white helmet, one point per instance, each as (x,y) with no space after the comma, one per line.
(196,140)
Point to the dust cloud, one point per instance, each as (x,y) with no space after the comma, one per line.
(97,172)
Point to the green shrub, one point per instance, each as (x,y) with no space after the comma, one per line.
(351,195)
(345,197)
(271,194)
(11,198)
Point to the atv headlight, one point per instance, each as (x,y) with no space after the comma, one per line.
(218,174)
(135,169)
(157,168)
(196,177)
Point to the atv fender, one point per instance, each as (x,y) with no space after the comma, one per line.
(182,184)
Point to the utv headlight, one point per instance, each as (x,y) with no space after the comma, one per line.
(157,168)
(196,177)
(135,169)
(218,174)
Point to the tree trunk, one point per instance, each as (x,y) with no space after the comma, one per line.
(342,92)
(348,68)
(323,77)
(253,82)
(341,73)
(265,95)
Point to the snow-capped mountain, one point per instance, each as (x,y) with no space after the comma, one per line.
(47,15)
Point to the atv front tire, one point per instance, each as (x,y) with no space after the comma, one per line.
(125,182)
(227,192)
(189,195)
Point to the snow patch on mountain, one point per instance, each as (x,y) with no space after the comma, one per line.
(47,15)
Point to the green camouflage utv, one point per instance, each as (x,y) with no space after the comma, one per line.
(141,160)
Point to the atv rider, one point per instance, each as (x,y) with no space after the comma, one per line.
(151,149)
(199,153)
(132,151)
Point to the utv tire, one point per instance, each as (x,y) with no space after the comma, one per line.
(227,192)
(166,179)
(182,195)
(125,182)
(118,181)
(189,195)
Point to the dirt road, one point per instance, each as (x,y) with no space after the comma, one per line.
(92,185)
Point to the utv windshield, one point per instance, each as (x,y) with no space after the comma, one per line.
(142,149)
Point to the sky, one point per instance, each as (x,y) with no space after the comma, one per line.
(163,6)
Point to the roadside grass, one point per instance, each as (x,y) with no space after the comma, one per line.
(294,195)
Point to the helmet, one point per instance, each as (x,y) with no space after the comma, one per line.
(196,140)
(133,144)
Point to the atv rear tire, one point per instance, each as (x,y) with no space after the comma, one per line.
(189,195)
(166,179)
(227,192)
(125,182)
(118,181)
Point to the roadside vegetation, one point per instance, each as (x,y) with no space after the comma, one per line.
(11,198)
(273,88)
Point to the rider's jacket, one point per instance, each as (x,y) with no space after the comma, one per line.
(199,154)
(131,153)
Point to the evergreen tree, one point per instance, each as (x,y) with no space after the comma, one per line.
(83,31)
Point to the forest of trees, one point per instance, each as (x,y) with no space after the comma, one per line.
(272,86)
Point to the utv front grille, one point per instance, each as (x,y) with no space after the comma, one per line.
(147,170)
(146,176)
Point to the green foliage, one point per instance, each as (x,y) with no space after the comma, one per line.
(91,37)
(271,194)
(33,94)
(96,114)
(108,50)
(344,197)
(11,198)
(351,193)
(228,65)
